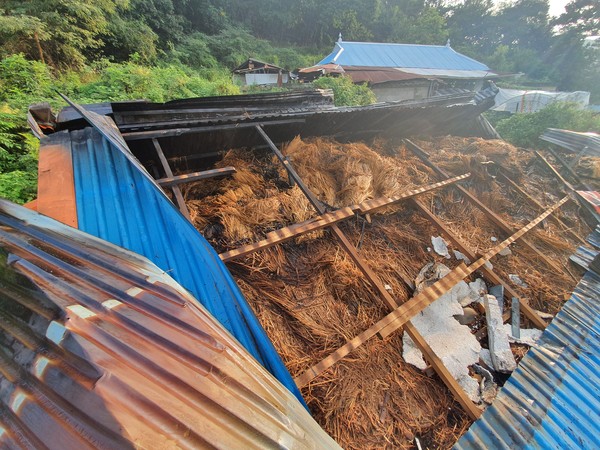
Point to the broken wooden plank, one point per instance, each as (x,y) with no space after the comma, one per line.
(492,277)
(403,313)
(324,220)
(566,166)
(195,176)
(495,218)
(176,191)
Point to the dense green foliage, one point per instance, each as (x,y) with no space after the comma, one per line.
(524,130)
(100,50)
(345,92)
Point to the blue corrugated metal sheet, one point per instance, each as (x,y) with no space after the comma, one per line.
(372,54)
(552,400)
(118,202)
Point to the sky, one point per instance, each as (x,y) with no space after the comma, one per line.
(557,7)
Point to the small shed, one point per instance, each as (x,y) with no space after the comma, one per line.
(255,72)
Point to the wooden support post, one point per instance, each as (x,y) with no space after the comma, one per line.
(492,277)
(176,191)
(324,220)
(533,202)
(195,176)
(495,218)
(402,314)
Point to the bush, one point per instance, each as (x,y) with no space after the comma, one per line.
(345,92)
(524,130)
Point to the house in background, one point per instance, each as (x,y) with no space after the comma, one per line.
(255,72)
(398,72)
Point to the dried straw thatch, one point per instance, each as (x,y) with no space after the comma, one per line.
(311,298)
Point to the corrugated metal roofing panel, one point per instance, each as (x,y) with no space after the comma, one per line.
(575,141)
(99,348)
(117,201)
(552,400)
(401,56)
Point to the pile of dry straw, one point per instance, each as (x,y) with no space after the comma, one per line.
(311,298)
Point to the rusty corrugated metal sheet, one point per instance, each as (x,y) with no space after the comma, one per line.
(99,348)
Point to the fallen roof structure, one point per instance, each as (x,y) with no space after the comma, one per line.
(100,348)
(325,238)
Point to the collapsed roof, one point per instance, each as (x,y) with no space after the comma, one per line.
(323,296)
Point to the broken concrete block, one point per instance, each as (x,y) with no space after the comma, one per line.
(458,255)
(453,343)
(529,336)
(478,289)
(502,357)
(468,316)
(505,252)
(487,386)
(515,279)
(440,246)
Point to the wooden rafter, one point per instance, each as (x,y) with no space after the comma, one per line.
(327,219)
(495,218)
(195,176)
(402,314)
(176,191)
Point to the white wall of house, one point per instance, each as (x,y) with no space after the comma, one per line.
(394,92)
(264,78)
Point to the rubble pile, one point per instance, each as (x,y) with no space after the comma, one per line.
(311,298)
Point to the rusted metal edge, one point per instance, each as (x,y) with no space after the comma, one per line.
(195,176)
(402,314)
(324,220)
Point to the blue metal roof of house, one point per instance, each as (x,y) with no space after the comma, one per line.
(373,54)
(552,400)
(119,202)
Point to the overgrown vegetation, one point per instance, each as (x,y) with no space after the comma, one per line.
(524,130)
(102,50)
(345,92)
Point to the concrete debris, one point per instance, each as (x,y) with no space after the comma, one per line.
(516,280)
(452,342)
(505,252)
(494,239)
(544,315)
(502,357)
(479,289)
(440,246)
(529,336)
(489,265)
(485,359)
(458,255)
(468,316)
(487,386)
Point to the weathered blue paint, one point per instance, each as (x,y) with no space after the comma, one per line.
(118,202)
(372,54)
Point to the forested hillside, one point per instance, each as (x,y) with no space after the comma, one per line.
(100,50)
